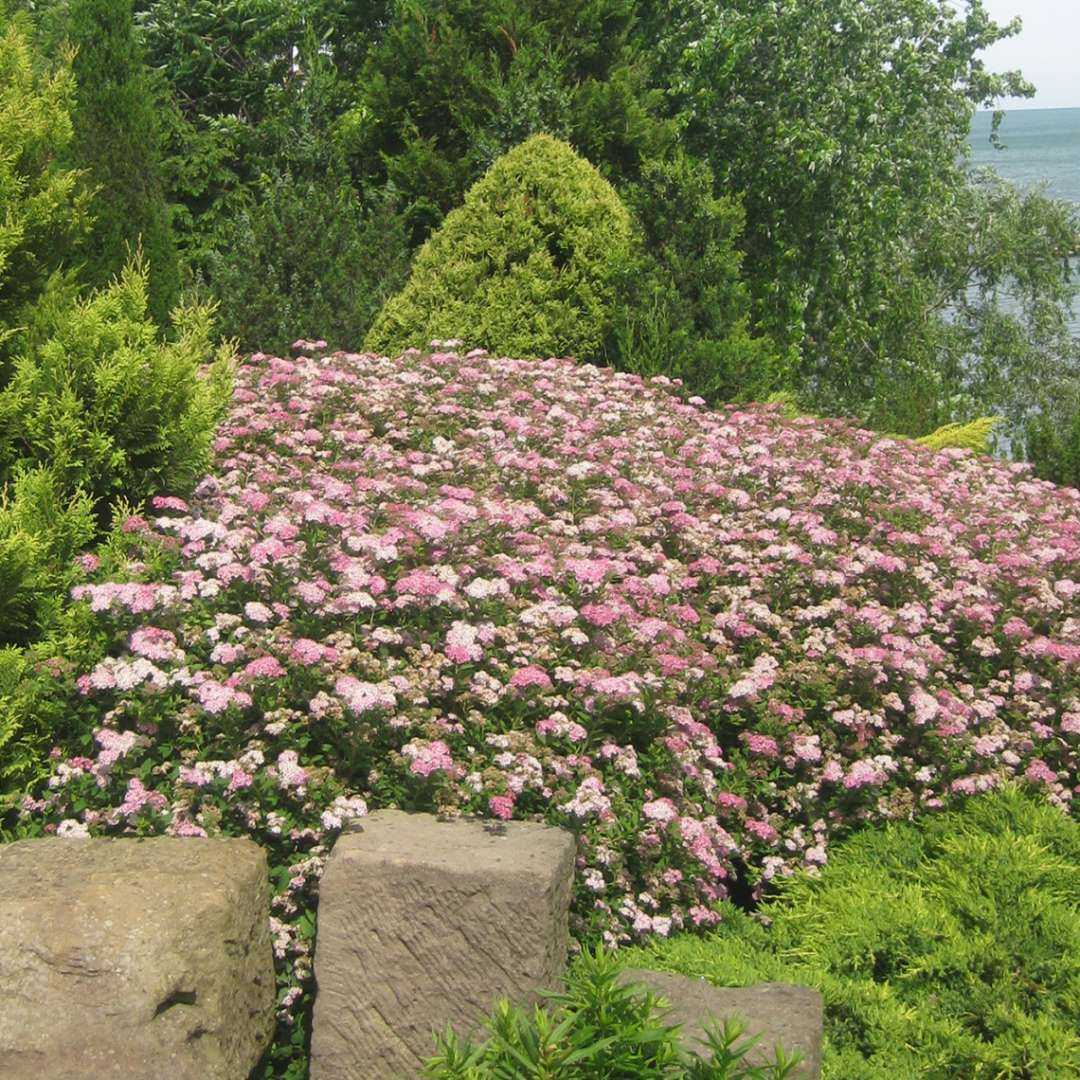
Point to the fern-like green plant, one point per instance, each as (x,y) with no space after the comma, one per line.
(598,1028)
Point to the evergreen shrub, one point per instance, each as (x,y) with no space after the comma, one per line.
(683,309)
(307,260)
(945,948)
(524,268)
(111,410)
(118,144)
(44,206)
(42,528)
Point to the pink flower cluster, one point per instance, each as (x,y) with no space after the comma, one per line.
(708,642)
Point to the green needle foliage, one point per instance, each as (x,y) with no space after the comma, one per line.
(108,408)
(524,268)
(974,435)
(118,143)
(599,1029)
(43,208)
(950,948)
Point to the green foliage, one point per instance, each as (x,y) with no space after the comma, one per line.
(844,125)
(524,268)
(307,261)
(1052,441)
(110,409)
(44,207)
(450,85)
(683,309)
(250,90)
(41,530)
(974,435)
(42,527)
(118,143)
(947,948)
(598,1029)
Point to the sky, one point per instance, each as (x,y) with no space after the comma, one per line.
(1047,50)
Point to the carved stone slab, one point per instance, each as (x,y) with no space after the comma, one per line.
(131,959)
(423,923)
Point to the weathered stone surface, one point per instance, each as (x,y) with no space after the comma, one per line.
(134,959)
(777,1012)
(424,923)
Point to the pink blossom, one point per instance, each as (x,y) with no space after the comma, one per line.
(530,675)
(257,613)
(427,757)
(461,645)
(264,667)
(363,697)
(290,774)
(661,810)
(1038,772)
(153,643)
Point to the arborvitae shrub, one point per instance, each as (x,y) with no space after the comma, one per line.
(110,409)
(44,207)
(117,141)
(683,309)
(41,529)
(524,268)
(1052,444)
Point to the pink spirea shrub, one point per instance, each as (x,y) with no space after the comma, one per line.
(706,641)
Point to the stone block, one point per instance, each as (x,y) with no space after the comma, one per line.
(124,959)
(425,922)
(777,1012)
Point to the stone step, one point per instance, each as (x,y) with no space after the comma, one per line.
(126,959)
(425,922)
(782,1013)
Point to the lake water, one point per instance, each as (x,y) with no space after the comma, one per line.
(1042,145)
(1042,149)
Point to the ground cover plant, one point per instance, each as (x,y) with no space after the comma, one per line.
(710,642)
(948,947)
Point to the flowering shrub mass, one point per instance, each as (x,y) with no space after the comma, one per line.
(708,642)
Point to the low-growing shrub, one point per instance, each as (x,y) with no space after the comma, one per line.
(946,948)
(524,268)
(599,1029)
(711,643)
(974,435)
(111,410)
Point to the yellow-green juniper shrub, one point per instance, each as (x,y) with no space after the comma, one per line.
(946,948)
(44,205)
(523,268)
(973,435)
